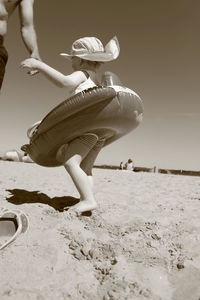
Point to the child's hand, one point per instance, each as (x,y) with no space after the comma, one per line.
(31,64)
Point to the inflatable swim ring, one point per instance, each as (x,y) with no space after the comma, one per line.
(110,111)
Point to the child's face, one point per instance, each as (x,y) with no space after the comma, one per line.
(76,63)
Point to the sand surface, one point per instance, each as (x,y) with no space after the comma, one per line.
(143,241)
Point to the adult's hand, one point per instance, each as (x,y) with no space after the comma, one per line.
(31,64)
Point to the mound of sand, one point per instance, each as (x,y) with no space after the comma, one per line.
(141,243)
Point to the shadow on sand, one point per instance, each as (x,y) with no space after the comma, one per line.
(19,196)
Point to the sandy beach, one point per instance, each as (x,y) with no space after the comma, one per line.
(142,242)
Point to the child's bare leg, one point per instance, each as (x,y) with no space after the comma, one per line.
(71,156)
(82,184)
(91,182)
(88,162)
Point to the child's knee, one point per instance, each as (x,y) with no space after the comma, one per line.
(72,163)
(69,165)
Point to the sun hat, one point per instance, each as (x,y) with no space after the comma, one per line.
(91,48)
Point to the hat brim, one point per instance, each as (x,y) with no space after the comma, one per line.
(101,56)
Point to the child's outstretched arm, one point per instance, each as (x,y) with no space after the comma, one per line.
(53,75)
(70,81)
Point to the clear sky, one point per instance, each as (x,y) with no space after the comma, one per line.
(159,59)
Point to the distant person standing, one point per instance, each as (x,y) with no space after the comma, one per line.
(129,165)
(7,7)
(121,166)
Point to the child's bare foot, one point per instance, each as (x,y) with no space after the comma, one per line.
(83,206)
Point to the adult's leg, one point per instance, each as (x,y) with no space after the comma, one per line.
(3,60)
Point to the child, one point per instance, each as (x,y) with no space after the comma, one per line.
(79,155)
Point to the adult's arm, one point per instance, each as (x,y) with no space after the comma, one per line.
(3,19)
(27,27)
(3,27)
